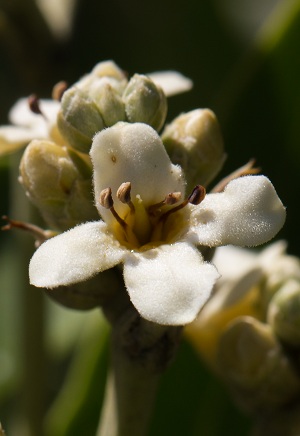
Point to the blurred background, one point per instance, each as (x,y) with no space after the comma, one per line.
(244,59)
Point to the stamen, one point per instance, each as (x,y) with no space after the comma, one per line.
(195,198)
(123,194)
(58,90)
(107,201)
(197,195)
(170,199)
(34,106)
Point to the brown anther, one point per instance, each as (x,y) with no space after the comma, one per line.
(34,105)
(170,199)
(197,195)
(106,199)
(58,90)
(123,194)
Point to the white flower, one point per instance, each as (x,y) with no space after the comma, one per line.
(151,231)
(27,125)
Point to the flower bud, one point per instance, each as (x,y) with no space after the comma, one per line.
(284,313)
(108,71)
(57,181)
(145,102)
(79,119)
(109,103)
(194,141)
(255,367)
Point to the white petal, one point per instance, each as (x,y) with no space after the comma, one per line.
(74,256)
(21,115)
(170,284)
(133,153)
(247,213)
(12,138)
(171,82)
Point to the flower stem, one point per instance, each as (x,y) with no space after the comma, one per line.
(140,352)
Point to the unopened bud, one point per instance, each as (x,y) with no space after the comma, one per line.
(58,183)
(194,141)
(104,72)
(108,102)
(145,102)
(79,119)
(255,367)
(284,313)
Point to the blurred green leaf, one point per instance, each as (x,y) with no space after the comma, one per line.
(76,410)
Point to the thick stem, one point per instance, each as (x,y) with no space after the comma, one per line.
(140,352)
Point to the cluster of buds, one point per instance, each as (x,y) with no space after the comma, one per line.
(104,97)
(56,170)
(249,334)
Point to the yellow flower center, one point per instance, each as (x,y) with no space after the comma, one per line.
(140,227)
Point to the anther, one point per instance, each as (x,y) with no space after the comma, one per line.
(107,201)
(34,105)
(197,195)
(58,90)
(123,194)
(170,199)
(195,198)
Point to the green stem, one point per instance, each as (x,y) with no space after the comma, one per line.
(140,352)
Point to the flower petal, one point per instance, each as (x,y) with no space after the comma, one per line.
(133,153)
(171,82)
(12,138)
(247,213)
(75,256)
(170,284)
(21,115)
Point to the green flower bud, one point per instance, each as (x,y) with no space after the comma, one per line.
(284,313)
(108,71)
(255,367)
(109,103)
(57,181)
(145,102)
(194,141)
(79,119)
